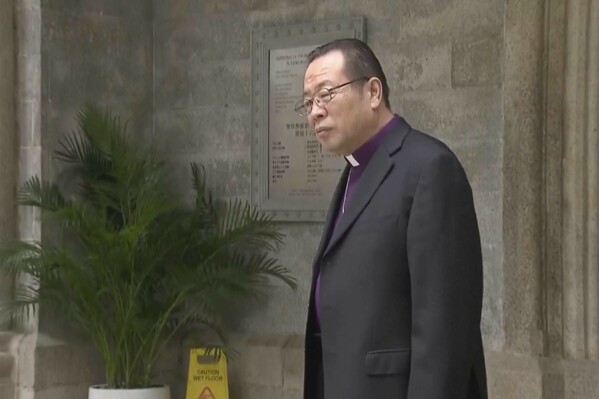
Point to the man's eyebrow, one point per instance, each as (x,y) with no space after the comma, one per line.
(319,86)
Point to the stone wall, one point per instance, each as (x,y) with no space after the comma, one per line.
(91,51)
(511,86)
(8,141)
(8,146)
(444,64)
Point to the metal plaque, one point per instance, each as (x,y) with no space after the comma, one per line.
(293,178)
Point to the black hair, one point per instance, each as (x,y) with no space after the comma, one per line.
(360,61)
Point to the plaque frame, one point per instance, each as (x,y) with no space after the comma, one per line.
(262,41)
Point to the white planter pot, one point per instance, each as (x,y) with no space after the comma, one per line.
(98,392)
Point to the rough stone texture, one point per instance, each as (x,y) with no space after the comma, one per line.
(513,376)
(202,94)
(523,174)
(8,140)
(95,52)
(477,63)
(267,366)
(477,74)
(553,181)
(580,183)
(88,51)
(25,355)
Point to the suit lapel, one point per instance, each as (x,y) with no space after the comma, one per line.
(377,169)
(371,179)
(329,224)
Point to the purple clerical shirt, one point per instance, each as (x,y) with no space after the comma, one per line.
(358,161)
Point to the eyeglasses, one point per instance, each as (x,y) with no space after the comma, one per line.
(323,96)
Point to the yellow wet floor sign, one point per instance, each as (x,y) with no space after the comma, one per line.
(207,378)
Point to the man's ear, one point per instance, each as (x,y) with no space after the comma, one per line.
(375,92)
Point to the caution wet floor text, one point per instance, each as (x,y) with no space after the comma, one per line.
(207,378)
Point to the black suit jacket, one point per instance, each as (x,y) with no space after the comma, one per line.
(401,281)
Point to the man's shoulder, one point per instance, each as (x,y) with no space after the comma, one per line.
(424,146)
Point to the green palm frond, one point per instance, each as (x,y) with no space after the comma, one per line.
(252,271)
(241,226)
(103,130)
(22,307)
(136,264)
(41,194)
(78,151)
(198,181)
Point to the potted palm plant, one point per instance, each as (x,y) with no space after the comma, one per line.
(135,263)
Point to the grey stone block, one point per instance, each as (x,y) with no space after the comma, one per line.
(492,311)
(489,212)
(81,6)
(172,87)
(219,130)
(203,37)
(63,392)
(7,363)
(66,35)
(261,361)
(181,9)
(29,163)
(250,391)
(481,161)
(226,178)
(25,393)
(28,77)
(98,79)
(28,27)
(450,19)
(175,9)
(80,366)
(513,376)
(222,83)
(477,63)
(553,385)
(7,340)
(28,122)
(293,363)
(197,82)
(103,7)
(7,390)
(581,379)
(454,115)
(420,68)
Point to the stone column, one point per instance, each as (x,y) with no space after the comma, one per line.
(553,153)
(580,190)
(28,117)
(523,175)
(592,132)
(7,135)
(28,106)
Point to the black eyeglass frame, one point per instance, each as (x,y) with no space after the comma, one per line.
(303,108)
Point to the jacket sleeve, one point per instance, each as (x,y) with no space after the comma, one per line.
(445,264)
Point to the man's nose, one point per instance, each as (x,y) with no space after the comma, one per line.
(317,111)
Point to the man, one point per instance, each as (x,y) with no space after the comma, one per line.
(396,294)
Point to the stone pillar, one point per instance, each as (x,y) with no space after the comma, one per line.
(580,190)
(553,153)
(592,132)
(7,135)
(523,175)
(28,116)
(28,106)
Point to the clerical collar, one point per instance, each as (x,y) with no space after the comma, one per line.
(362,155)
(352,161)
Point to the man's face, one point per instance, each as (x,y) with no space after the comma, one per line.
(338,124)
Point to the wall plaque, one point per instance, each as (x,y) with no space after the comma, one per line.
(293,178)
